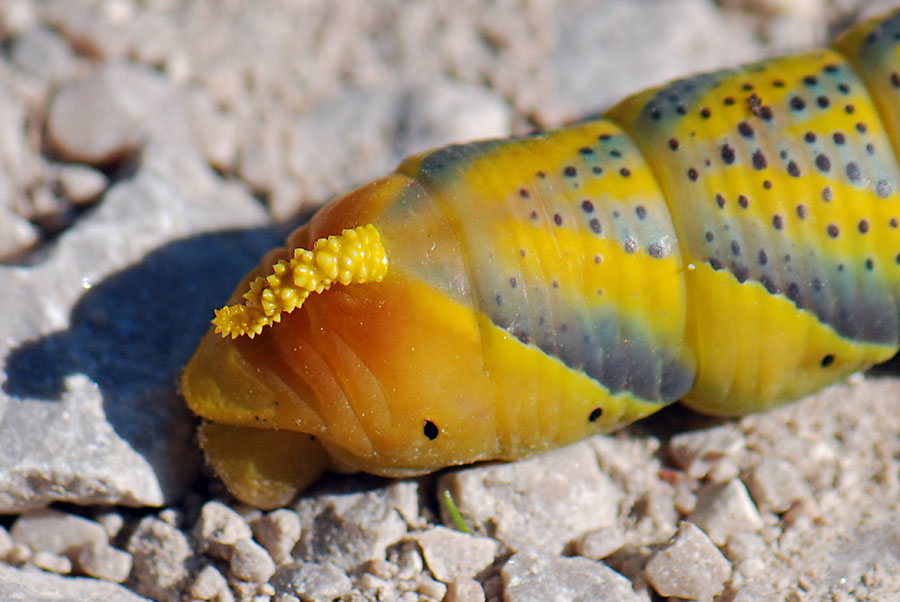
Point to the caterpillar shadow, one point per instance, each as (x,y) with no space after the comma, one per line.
(133,332)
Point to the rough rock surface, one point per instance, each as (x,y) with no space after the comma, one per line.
(152,150)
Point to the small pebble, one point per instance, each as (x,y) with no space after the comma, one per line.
(696,452)
(312,582)
(431,588)
(218,529)
(528,577)
(408,559)
(161,556)
(111,521)
(724,509)
(210,584)
(464,589)
(250,562)
(776,485)
(55,563)
(690,566)
(600,543)
(43,53)
(450,554)
(17,16)
(103,561)
(278,532)
(103,117)
(19,554)
(81,184)
(55,532)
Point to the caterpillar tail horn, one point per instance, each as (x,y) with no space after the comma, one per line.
(356,256)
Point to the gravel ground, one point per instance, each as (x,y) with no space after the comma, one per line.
(153,149)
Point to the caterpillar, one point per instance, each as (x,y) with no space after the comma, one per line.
(730,240)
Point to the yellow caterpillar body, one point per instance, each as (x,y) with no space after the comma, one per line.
(730,240)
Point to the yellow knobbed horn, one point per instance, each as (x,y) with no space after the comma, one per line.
(355,257)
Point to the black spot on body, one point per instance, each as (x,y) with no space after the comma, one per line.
(587,206)
(810,80)
(759,160)
(810,137)
(793,169)
(720,201)
(625,172)
(778,221)
(735,248)
(431,430)
(823,162)
(557,219)
(674,144)
(743,201)
(745,129)
(692,174)
(827,360)
(883,188)
(863,226)
(797,103)
(838,138)
(853,172)
(595,225)
(524,193)
(595,414)
(727,154)
(641,212)
(833,230)
(570,171)
(655,250)
(802,211)
(827,194)
(763,257)
(823,102)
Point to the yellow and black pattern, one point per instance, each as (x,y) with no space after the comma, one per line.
(731,240)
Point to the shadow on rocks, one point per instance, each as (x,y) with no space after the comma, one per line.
(133,332)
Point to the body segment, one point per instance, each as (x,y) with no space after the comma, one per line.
(729,239)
